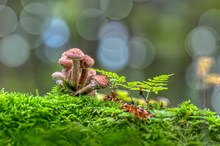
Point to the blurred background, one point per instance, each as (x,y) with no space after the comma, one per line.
(139,39)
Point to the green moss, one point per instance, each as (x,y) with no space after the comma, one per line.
(59,119)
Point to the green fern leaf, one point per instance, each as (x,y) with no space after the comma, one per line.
(158,83)
(155,85)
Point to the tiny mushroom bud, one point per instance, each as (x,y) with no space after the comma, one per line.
(91,73)
(97,81)
(86,63)
(75,55)
(58,77)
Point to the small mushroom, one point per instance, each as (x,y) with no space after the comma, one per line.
(97,81)
(65,61)
(66,64)
(86,63)
(58,77)
(75,55)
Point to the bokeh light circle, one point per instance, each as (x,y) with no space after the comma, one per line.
(115,29)
(89,23)
(26,2)
(202,41)
(34,41)
(215,99)
(14,50)
(211,18)
(142,53)
(53,55)
(116,9)
(57,34)
(8,21)
(36,8)
(35,17)
(113,53)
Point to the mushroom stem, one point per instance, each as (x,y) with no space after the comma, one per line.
(86,63)
(86,89)
(84,77)
(75,73)
(98,81)
(75,55)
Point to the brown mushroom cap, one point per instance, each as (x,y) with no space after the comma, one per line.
(75,53)
(65,54)
(86,62)
(91,72)
(65,62)
(101,80)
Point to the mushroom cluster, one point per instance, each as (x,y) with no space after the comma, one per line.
(77,75)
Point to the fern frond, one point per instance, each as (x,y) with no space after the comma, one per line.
(155,85)
(158,83)
(160,79)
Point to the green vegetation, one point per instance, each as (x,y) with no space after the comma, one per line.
(158,83)
(58,119)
